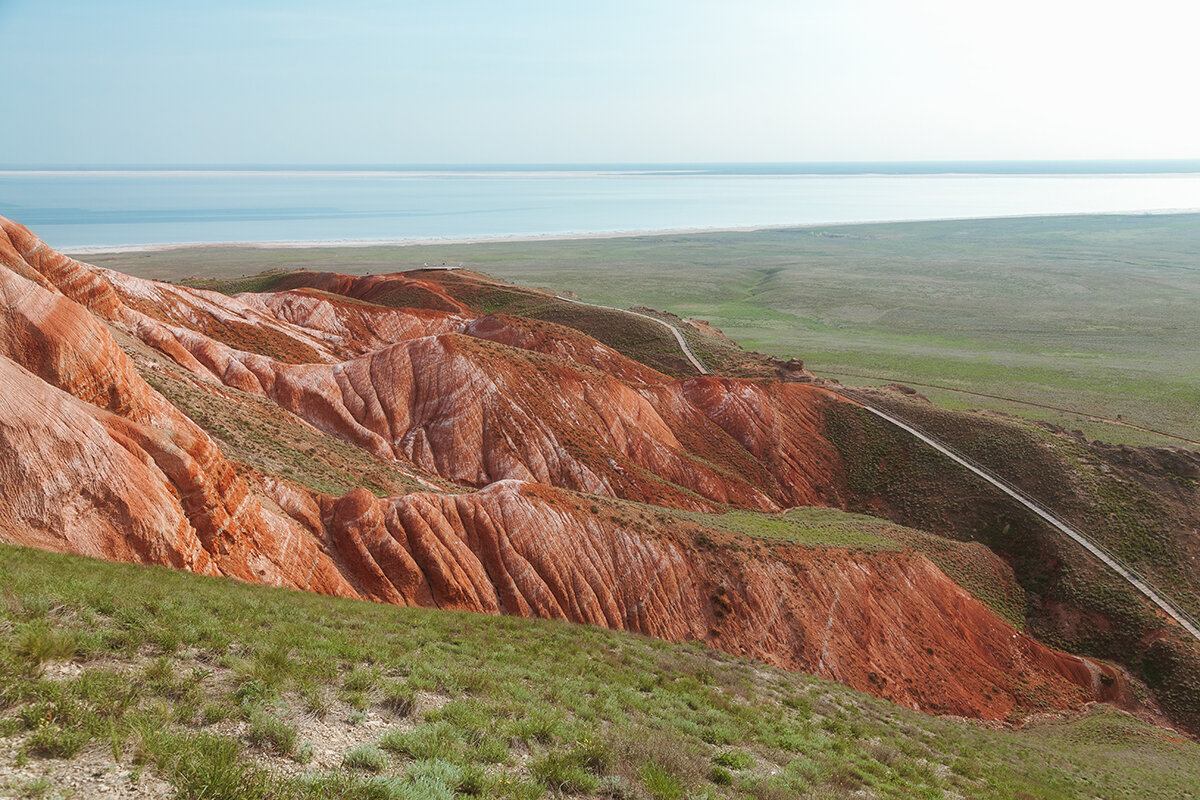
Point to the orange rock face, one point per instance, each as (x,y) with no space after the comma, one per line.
(95,461)
(889,623)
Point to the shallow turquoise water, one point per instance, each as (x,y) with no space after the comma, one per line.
(109,208)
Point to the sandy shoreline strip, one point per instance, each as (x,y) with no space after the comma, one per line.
(560,237)
(416,241)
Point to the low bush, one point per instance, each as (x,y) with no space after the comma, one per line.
(365,757)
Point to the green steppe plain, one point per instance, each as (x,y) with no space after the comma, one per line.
(1095,314)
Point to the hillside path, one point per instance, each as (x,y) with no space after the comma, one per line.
(1111,562)
(683,345)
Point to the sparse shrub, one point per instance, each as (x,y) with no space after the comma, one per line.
(432,780)
(477,682)
(434,740)
(884,753)
(399,698)
(538,726)
(40,643)
(593,754)
(213,713)
(846,775)
(562,773)
(719,734)
(733,759)
(159,671)
(661,784)
(637,747)
(34,714)
(474,781)
(210,767)
(802,705)
(36,788)
(614,787)
(365,757)
(720,776)
(360,679)
(356,699)
(268,731)
(490,749)
(185,710)
(466,715)
(250,692)
(316,701)
(52,741)
(33,607)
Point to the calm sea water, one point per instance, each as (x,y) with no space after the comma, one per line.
(91,208)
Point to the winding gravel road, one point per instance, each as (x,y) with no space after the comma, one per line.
(1111,562)
(1016,494)
(683,345)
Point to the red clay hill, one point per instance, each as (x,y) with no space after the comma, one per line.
(530,436)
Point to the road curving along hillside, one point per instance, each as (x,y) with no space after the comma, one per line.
(1125,572)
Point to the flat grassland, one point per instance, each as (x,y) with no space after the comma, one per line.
(1094,314)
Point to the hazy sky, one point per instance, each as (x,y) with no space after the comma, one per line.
(453,81)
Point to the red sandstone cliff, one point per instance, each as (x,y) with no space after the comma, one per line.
(95,461)
(887,622)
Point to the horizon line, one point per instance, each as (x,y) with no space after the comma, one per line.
(1156,165)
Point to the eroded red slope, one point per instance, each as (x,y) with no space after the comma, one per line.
(503,399)
(887,622)
(95,461)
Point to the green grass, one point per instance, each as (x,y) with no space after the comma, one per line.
(271,733)
(822,527)
(1090,313)
(366,757)
(588,710)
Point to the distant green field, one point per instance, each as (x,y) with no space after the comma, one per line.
(1096,314)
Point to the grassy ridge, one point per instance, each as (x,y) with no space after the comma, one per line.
(216,687)
(969,565)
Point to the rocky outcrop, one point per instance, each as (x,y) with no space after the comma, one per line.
(404,290)
(95,461)
(888,622)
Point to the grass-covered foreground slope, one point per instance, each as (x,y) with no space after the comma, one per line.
(207,688)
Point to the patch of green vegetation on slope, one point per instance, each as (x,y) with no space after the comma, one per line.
(639,339)
(258,434)
(262,282)
(972,567)
(217,686)
(822,527)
